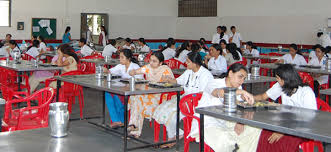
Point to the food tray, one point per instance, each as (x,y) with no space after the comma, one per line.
(310,66)
(284,63)
(163,85)
(137,81)
(261,104)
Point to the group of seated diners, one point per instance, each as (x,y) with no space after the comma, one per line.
(201,64)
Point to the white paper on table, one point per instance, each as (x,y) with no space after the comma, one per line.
(49,30)
(35,29)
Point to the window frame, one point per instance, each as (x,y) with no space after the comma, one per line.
(198,15)
(9,14)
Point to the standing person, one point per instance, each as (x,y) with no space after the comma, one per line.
(42,47)
(170,51)
(143,46)
(324,39)
(109,49)
(235,37)
(89,37)
(294,57)
(215,61)
(113,102)
(66,38)
(85,50)
(143,106)
(103,37)
(193,80)
(5,42)
(221,34)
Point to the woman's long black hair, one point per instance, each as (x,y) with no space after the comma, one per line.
(129,55)
(232,48)
(104,30)
(35,43)
(251,44)
(295,47)
(170,42)
(67,49)
(292,79)
(183,47)
(159,55)
(67,29)
(234,68)
(42,39)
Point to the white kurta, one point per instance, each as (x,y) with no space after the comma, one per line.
(323,79)
(42,46)
(298,59)
(236,38)
(217,130)
(304,97)
(254,52)
(312,55)
(192,82)
(86,50)
(325,40)
(216,38)
(217,66)
(12,51)
(183,55)
(33,51)
(109,50)
(129,47)
(144,49)
(119,70)
(169,53)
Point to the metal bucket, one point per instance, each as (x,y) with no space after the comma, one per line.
(58,119)
(255,71)
(230,99)
(107,58)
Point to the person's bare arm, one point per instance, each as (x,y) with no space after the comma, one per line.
(261,97)
(244,94)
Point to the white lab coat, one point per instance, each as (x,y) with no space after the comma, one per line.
(325,40)
(33,51)
(323,79)
(236,38)
(312,55)
(119,70)
(183,56)
(298,59)
(169,53)
(86,50)
(109,50)
(217,66)
(304,96)
(254,52)
(144,49)
(216,38)
(88,37)
(129,47)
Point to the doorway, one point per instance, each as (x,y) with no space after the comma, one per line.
(92,22)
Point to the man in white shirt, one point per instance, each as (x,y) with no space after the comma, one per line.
(85,50)
(324,39)
(109,49)
(235,37)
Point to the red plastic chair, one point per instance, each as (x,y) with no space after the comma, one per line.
(187,106)
(309,145)
(27,57)
(90,67)
(9,78)
(148,56)
(307,78)
(69,91)
(174,64)
(325,86)
(30,117)
(9,94)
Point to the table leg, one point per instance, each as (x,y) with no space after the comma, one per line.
(126,100)
(19,80)
(58,86)
(327,147)
(177,123)
(104,109)
(202,139)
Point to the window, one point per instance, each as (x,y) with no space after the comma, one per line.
(197,8)
(5,12)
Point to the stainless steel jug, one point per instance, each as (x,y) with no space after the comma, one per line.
(58,119)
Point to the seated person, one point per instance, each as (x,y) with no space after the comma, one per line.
(85,50)
(215,61)
(251,49)
(294,57)
(109,49)
(319,60)
(33,49)
(143,46)
(232,55)
(293,92)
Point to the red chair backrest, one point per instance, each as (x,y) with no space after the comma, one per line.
(321,105)
(27,57)
(174,64)
(307,78)
(95,56)
(275,54)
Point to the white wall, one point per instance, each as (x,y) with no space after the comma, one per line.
(269,21)
(134,18)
